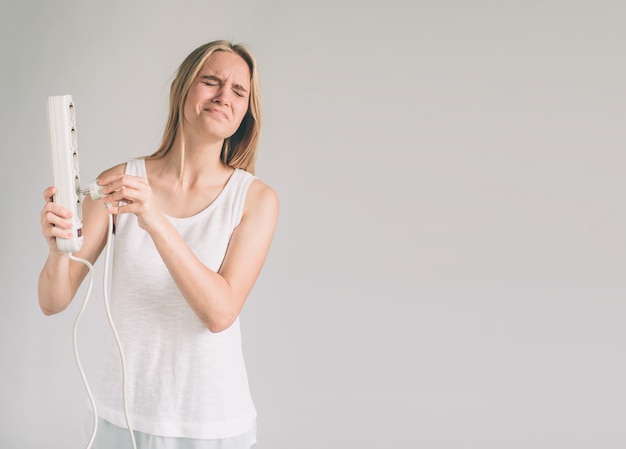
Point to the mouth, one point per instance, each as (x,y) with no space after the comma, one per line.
(217,111)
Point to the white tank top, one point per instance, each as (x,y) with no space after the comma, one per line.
(182,380)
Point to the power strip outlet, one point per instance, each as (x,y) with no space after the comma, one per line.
(64,150)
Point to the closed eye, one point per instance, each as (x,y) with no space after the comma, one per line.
(213,81)
(209,80)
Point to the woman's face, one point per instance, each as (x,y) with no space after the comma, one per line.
(218,98)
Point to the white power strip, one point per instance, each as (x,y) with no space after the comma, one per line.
(63,144)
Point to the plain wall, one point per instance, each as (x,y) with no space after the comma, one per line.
(448,270)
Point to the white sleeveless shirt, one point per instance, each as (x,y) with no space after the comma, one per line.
(182,380)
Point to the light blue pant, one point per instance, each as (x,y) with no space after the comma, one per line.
(110,436)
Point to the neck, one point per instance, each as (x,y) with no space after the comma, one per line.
(190,160)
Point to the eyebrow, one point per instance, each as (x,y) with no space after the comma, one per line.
(221,80)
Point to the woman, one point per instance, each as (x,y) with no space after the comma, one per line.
(192,230)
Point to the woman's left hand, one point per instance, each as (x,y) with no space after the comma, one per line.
(136,196)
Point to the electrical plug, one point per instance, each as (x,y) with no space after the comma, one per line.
(95,191)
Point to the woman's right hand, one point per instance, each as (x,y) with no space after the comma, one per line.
(55,220)
(61,277)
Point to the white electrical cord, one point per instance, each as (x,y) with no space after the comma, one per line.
(75,345)
(117,338)
(113,329)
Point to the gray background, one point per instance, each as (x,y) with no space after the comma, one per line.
(448,270)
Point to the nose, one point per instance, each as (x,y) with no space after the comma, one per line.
(221,97)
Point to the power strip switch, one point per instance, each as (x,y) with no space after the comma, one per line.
(65,170)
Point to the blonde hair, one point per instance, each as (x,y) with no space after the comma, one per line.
(239,150)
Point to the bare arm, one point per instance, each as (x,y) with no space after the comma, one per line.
(61,277)
(216,297)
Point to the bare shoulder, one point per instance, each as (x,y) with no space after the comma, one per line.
(254,233)
(261,198)
(261,207)
(117,170)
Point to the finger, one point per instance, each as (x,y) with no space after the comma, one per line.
(53,215)
(57,209)
(52,226)
(50,219)
(125,195)
(48,194)
(112,183)
(117,209)
(114,197)
(117,182)
(57,232)
(106,180)
(114,210)
(124,208)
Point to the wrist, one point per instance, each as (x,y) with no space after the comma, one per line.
(157,226)
(54,253)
